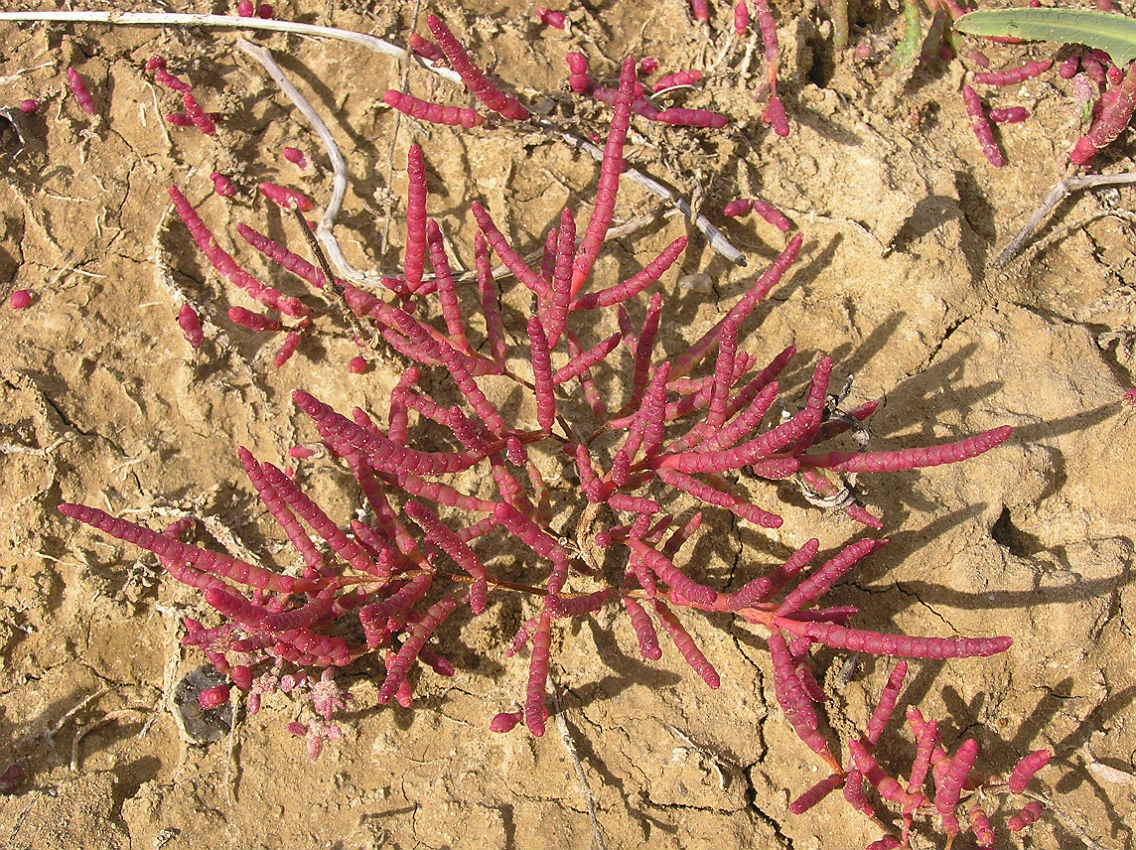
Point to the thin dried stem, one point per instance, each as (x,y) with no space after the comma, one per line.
(324,230)
(1058,193)
(570,746)
(334,290)
(715,237)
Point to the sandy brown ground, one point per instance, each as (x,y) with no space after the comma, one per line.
(103,402)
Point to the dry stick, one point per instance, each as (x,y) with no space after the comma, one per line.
(1056,195)
(158,19)
(338,168)
(715,237)
(570,746)
(403,84)
(109,717)
(333,289)
(169,19)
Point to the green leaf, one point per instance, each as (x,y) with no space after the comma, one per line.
(1114,34)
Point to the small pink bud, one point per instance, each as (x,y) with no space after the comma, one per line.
(289,683)
(265,11)
(221,185)
(426,49)
(300,452)
(20,299)
(241,676)
(505,721)
(286,197)
(244,8)
(296,157)
(252,321)
(155,62)
(190,325)
(29,106)
(201,119)
(357,366)
(550,18)
(741,17)
(179,119)
(12,778)
(214,697)
(1009,115)
(79,88)
(648,65)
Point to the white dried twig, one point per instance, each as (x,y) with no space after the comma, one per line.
(1066,187)
(173,19)
(338,168)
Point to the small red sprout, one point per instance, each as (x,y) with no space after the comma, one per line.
(79,89)
(1114,117)
(287,349)
(981,126)
(1025,769)
(550,18)
(20,299)
(221,185)
(1029,814)
(214,697)
(506,721)
(426,49)
(1009,115)
(767,211)
(435,113)
(774,115)
(29,106)
(741,17)
(295,156)
(252,321)
(1012,76)
(679,78)
(190,326)
(170,81)
(200,118)
(285,197)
